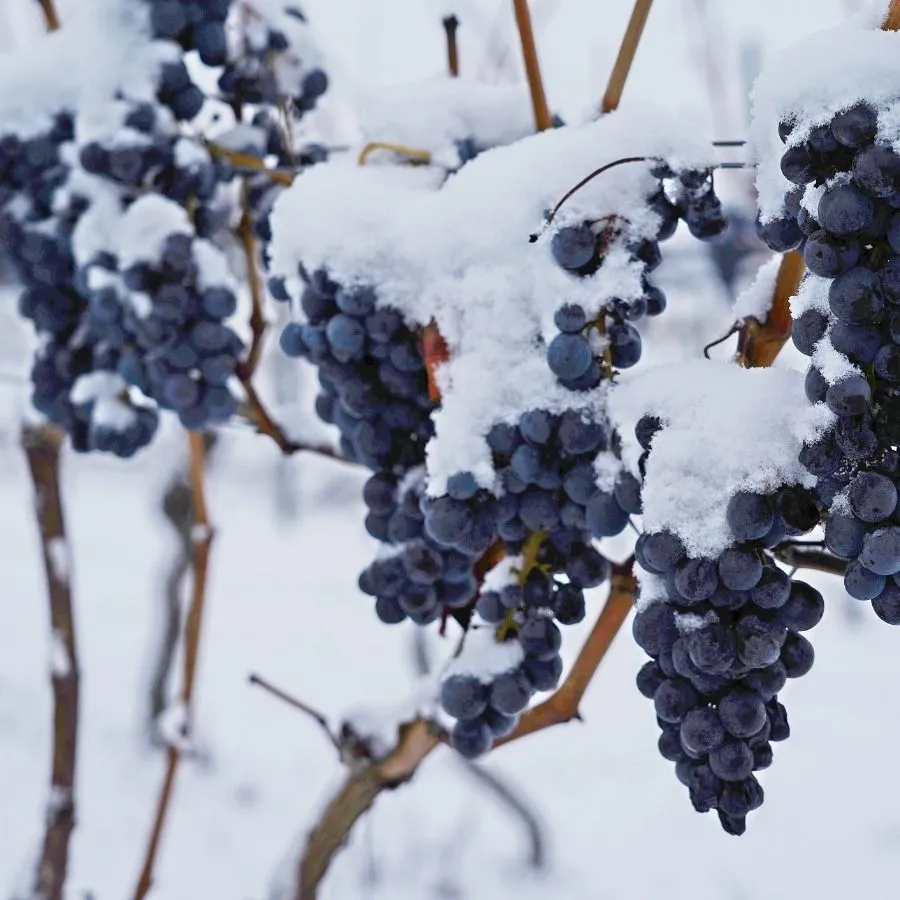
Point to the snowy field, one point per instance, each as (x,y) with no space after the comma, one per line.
(283,602)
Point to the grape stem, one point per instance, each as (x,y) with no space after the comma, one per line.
(413,154)
(542,119)
(249,163)
(292,701)
(797,558)
(418,738)
(759,342)
(257,319)
(51,17)
(265,424)
(201,535)
(577,187)
(42,450)
(622,66)
(451,26)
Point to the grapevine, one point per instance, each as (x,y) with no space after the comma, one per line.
(473,284)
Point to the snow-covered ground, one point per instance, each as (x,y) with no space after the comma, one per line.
(283,601)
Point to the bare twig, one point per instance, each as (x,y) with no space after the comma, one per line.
(417,739)
(257,319)
(451,26)
(809,559)
(51,17)
(285,697)
(760,342)
(434,353)
(542,118)
(202,536)
(42,449)
(892,18)
(266,425)
(178,510)
(625,58)
(537,851)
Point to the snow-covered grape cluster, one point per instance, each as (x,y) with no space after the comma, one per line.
(591,343)
(133,318)
(724,635)
(843,214)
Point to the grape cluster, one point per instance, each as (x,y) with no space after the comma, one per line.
(545,589)
(40,209)
(417,578)
(848,227)
(374,387)
(724,636)
(272,65)
(549,510)
(164,313)
(588,346)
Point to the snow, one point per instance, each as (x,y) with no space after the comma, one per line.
(483,656)
(808,83)
(755,301)
(722,433)
(461,256)
(434,114)
(144,227)
(60,663)
(503,573)
(58,553)
(32,89)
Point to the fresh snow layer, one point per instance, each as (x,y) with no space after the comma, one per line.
(483,656)
(808,82)
(461,257)
(755,300)
(726,429)
(433,115)
(104,46)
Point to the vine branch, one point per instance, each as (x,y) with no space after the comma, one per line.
(51,17)
(892,17)
(542,119)
(760,342)
(625,58)
(451,26)
(257,319)
(42,449)
(201,535)
(417,739)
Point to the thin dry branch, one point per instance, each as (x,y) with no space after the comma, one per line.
(296,703)
(42,449)
(202,535)
(51,17)
(417,739)
(257,319)
(542,118)
(760,342)
(451,26)
(266,425)
(625,58)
